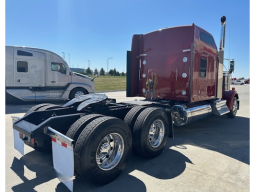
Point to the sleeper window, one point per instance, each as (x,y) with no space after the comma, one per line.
(24,53)
(207,39)
(203,66)
(22,66)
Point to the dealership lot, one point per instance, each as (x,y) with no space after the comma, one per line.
(208,155)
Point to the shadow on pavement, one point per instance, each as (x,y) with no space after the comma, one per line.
(37,162)
(158,167)
(228,136)
(231,138)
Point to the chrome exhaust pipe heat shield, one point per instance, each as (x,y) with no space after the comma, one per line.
(181,115)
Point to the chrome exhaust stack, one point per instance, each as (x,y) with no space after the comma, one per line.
(182,115)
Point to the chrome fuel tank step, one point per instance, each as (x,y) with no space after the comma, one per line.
(220,107)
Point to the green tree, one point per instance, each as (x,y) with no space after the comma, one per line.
(95,71)
(102,72)
(88,71)
(111,72)
(122,74)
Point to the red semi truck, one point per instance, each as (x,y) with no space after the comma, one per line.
(178,71)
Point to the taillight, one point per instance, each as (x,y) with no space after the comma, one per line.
(21,135)
(32,141)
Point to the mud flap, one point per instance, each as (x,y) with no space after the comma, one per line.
(18,142)
(63,157)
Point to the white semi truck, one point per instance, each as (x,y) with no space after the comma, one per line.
(33,74)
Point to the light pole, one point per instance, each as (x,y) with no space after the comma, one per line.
(229,51)
(89,63)
(107,64)
(69,59)
(63,55)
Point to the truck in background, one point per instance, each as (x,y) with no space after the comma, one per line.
(33,74)
(178,70)
(247,81)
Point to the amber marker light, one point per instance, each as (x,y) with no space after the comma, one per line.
(233,89)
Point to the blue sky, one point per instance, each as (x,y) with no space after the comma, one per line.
(96,30)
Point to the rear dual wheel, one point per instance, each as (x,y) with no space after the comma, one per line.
(150,127)
(150,132)
(75,130)
(102,150)
(36,107)
(46,146)
(77,127)
(42,107)
(132,115)
(50,106)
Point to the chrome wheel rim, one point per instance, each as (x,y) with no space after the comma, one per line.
(110,151)
(156,133)
(78,93)
(234,106)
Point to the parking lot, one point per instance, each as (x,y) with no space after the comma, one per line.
(208,155)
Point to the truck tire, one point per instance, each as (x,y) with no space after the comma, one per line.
(46,148)
(132,115)
(77,92)
(102,150)
(36,107)
(233,111)
(150,132)
(51,106)
(77,127)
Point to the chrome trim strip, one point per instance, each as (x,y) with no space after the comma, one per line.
(59,136)
(185,50)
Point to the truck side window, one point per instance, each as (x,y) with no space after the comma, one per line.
(55,67)
(22,66)
(63,69)
(203,66)
(60,67)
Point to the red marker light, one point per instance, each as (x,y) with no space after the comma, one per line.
(21,135)
(32,141)
(63,144)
